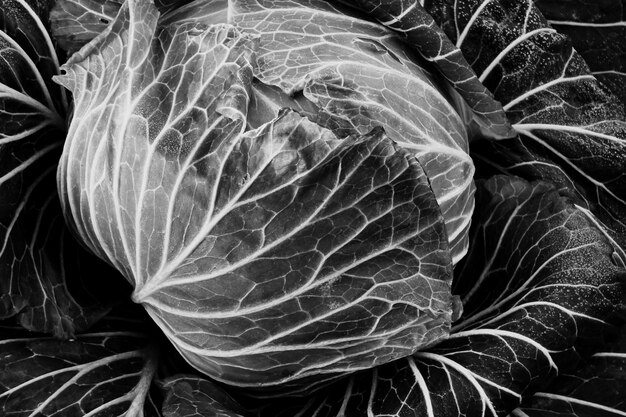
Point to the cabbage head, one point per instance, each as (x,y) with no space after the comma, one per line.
(287,203)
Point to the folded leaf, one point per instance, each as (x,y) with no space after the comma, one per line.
(410,20)
(274,255)
(106,372)
(539,287)
(358,75)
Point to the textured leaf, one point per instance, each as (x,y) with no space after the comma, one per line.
(409,19)
(106,372)
(594,390)
(571,130)
(598,31)
(265,256)
(75,22)
(190,396)
(40,264)
(207,12)
(539,286)
(359,76)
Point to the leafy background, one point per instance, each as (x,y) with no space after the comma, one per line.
(542,284)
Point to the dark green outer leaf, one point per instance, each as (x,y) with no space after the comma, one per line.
(598,31)
(104,373)
(40,264)
(409,19)
(596,389)
(572,131)
(539,286)
(25,21)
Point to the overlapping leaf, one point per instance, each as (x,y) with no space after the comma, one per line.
(409,19)
(76,22)
(106,372)
(572,131)
(359,75)
(40,264)
(598,31)
(539,287)
(200,11)
(191,396)
(266,256)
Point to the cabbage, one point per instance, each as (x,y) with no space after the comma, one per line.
(289,215)
(271,255)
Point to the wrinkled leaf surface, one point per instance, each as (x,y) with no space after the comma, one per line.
(539,288)
(409,19)
(267,256)
(359,75)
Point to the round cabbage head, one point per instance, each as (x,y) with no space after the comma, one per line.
(271,246)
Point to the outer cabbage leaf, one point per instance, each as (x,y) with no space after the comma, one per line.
(409,19)
(41,266)
(359,75)
(540,288)
(106,372)
(191,396)
(572,131)
(598,31)
(595,389)
(267,256)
